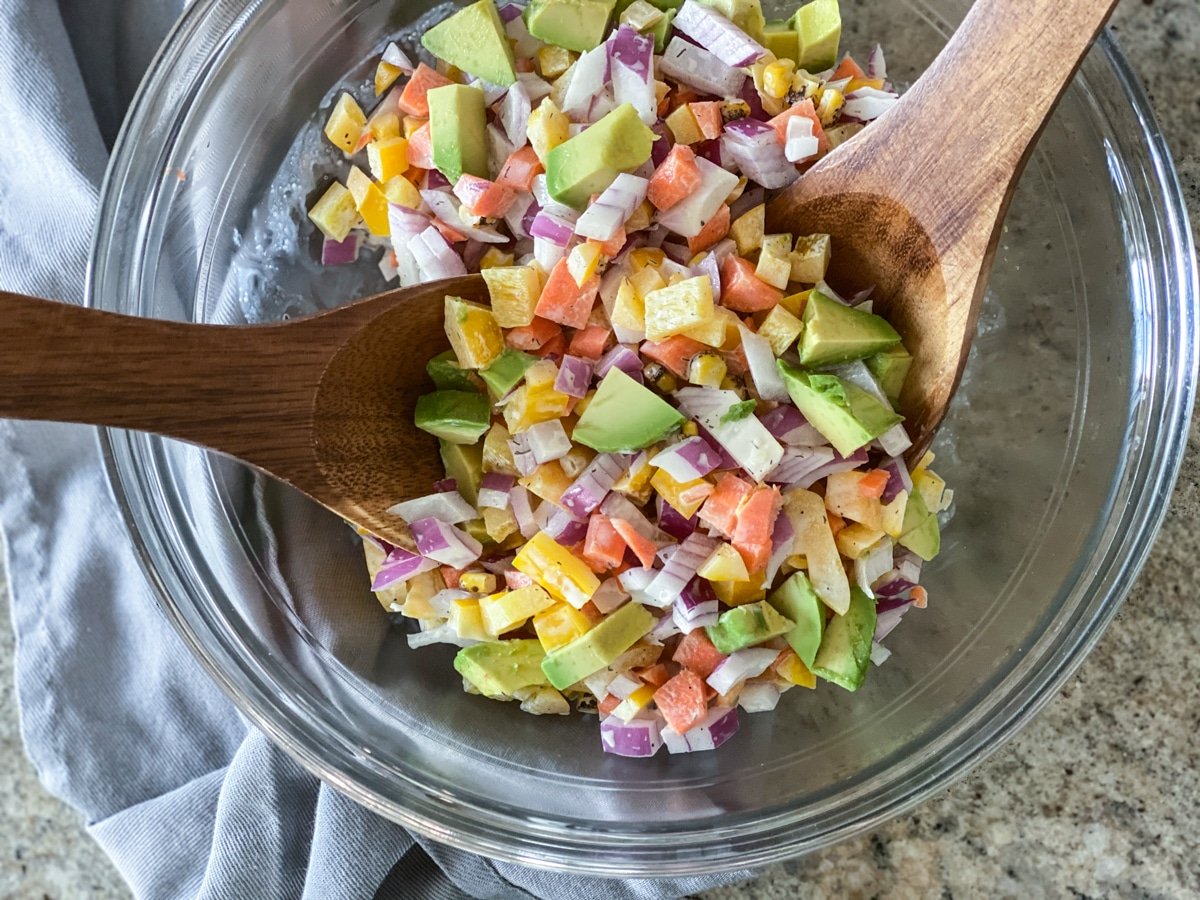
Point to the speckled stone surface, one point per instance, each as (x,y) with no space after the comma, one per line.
(1098,797)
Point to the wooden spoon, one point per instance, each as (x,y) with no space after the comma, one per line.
(916,202)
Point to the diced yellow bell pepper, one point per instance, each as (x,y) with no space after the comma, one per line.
(747,230)
(684,126)
(893,516)
(388,158)
(385,76)
(576,460)
(781,329)
(646,280)
(685,496)
(413,124)
(345,124)
(844,497)
(421,589)
(810,259)
(495,259)
(715,332)
(384,127)
(559,625)
(402,192)
(774,260)
(676,308)
(548,481)
(547,128)
(635,482)
(792,670)
(553,60)
(531,404)
(370,200)
(646,256)
(634,703)
(564,576)
(629,311)
(641,218)
(474,333)
(506,610)
(497,456)
(514,291)
(478,582)
(335,213)
(707,370)
(583,261)
(856,539)
(738,593)
(795,303)
(724,564)
(467,621)
(499,524)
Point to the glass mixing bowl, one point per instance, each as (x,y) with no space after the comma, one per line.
(1062,446)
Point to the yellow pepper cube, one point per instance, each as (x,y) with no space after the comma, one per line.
(371,202)
(495,259)
(635,482)
(774,260)
(530,405)
(629,311)
(641,218)
(738,593)
(559,625)
(384,127)
(345,124)
(335,213)
(542,373)
(724,564)
(478,582)
(646,281)
(893,516)
(810,259)
(421,589)
(714,332)
(548,127)
(474,333)
(634,703)
(413,124)
(514,291)
(564,576)
(856,539)
(792,670)
(685,496)
(646,256)
(795,303)
(507,610)
(781,329)
(747,230)
(707,370)
(583,261)
(576,460)
(553,60)
(779,245)
(844,496)
(684,126)
(676,308)
(548,481)
(402,192)
(385,76)
(497,455)
(467,620)
(499,524)
(388,158)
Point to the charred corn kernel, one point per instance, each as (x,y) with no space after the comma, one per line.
(345,124)
(628,309)
(738,593)
(641,218)
(777,78)
(831,104)
(690,429)
(402,192)
(635,483)
(547,128)
(856,83)
(583,261)
(747,230)
(548,481)
(792,670)
(467,621)
(335,213)
(667,383)
(384,127)
(413,124)
(500,524)
(514,292)
(856,539)
(478,582)
(474,333)
(385,76)
(893,515)
(644,257)
(676,308)
(560,624)
(684,126)
(495,259)
(732,110)
(388,158)
(794,303)
(553,61)
(646,280)
(497,457)
(771,105)
(781,329)
(931,487)
(634,703)
(370,200)
(810,258)
(685,496)
(507,610)
(724,564)
(576,460)
(563,575)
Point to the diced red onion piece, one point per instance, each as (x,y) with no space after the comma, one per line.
(886,621)
(565,528)
(435,258)
(600,222)
(517,215)
(839,463)
(522,453)
(761,359)
(340,253)
(689,216)
(876,64)
(535,86)
(494,490)
(547,253)
(672,521)
(446,208)
(623,358)
(688,460)
(394,56)
(873,565)
(639,738)
(669,583)
(593,485)
(510,11)
(737,667)
(574,376)
(522,511)
(717,727)
(552,228)
(616,506)
(867,104)
(761,696)
(898,479)
(587,80)
(666,627)
(781,547)
(747,440)
(548,441)
(760,158)
(631,65)
(799,463)
(399,566)
(450,508)
(710,265)
(708,28)
(703,618)
(448,545)
(524,44)
(700,69)
(515,112)
(895,440)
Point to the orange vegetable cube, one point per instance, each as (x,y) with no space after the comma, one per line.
(806,109)
(677,177)
(708,118)
(656,675)
(742,290)
(590,342)
(414,98)
(603,546)
(534,336)
(721,509)
(520,169)
(484,198)
(874,483)
(712,233)
(643,548)
(682,701)
(754,525)
(848,68)
(696,653)
(566,302)
(675,352)
(420,148)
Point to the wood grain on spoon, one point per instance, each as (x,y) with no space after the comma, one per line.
(915,203)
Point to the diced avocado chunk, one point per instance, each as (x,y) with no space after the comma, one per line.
(662,31)
(745,626)
(463,463)
(507,371)
(460,417)
(781,39)
(499,669)
(589,162)
(574,24)
(835,333)
(845,654)
(664,5)
(474,39)
(890,368)
(595,649)
(624,415)
(797,600)
(458,131)
(447,374)
(844,413)
(745,14)
(920,532)
(818,27)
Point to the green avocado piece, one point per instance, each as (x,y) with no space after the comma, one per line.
(662,31)
(920,532)
(745,14)
(781,39)
(447,375)
(474,39)
(845,654)
(506,372)
(458,131)
(574,24)
(501,668)
(890,368)
(463,463)
(835,333)
(664,5)
(745,626)
(460,417)
(818,26)
(844,413)
(797,600)
(587,163)
(594,650)
(624,415)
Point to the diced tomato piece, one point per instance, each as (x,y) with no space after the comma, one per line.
(696,653)
(721,508)
(755,521)
(742,290)
(415,100)
(712,233)
(643,548)
(520,169)
(806,109)
(420,148)
(564,301)
(603,546)
(590,342)
(681,701)
(874,483)
(656,674)
(676,178)
(675,352)
(608,704)
(708,117)
(848,68)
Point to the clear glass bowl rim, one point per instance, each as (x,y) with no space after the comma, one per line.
(259,690)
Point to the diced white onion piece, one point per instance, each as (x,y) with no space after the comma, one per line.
(737,667)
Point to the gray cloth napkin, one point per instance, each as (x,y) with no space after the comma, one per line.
(119,720)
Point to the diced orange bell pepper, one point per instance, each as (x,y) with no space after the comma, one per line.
(676,177)
(414,99)
(681,701)
(742,290)
(712,233)
(566,302)
(590,342)
(608,704)
(520,169)
(675,352)
(720,509)
(454,237)
(643,548)
(656,675)
(681,96)
(612,247)
(533,336)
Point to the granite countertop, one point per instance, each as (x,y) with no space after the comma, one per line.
(1097,797)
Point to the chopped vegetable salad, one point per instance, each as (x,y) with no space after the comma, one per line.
(676,483)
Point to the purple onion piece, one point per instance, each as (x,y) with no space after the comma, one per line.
(574,376)
(672,521)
